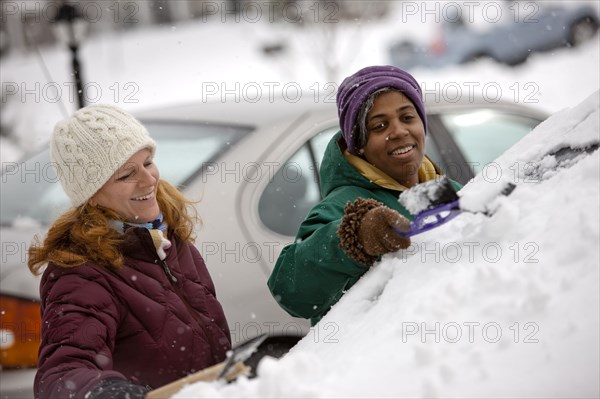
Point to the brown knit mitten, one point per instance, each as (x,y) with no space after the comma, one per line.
(367,230)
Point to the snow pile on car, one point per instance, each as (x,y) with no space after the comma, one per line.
(505,305)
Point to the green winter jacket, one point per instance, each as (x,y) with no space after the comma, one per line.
(312,273)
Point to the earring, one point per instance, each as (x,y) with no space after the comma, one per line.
(361,151)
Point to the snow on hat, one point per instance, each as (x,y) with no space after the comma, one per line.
(89,147)
(355,90)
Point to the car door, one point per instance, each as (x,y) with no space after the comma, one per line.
(239,250)
(277,204)
(279,184)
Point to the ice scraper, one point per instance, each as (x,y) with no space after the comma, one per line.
(231,368)
(434,203)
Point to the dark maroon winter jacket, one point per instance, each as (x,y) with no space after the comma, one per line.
(136,323)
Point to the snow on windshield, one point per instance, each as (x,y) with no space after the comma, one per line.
(506,304)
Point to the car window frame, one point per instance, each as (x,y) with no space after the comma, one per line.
(450,153)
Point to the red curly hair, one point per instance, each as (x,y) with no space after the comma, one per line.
(83,234)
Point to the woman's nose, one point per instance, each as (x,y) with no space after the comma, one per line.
(398,130)
(147,178)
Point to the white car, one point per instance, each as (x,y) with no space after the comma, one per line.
(252,167)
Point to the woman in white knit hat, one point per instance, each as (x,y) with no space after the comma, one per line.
(127,302)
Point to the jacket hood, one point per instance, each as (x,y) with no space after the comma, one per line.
(336,172)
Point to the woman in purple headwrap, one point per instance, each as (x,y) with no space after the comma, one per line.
(379,152)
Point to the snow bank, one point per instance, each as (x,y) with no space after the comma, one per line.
(503,306)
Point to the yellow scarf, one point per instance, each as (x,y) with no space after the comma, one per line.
(427,171)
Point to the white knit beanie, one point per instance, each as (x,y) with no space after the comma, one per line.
(89,147)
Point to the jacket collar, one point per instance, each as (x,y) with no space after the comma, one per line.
(427,171)
(138,243)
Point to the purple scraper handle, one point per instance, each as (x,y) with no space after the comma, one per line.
(424,220)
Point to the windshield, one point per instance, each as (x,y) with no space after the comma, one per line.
(31,190)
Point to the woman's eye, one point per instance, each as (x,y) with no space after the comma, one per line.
(149,163)
(379,126)
(126,174)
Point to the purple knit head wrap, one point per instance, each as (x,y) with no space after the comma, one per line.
(355,90)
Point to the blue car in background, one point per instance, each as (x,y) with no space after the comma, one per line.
(543,28)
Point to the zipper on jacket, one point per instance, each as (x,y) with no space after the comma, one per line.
(192,311)
(167,270)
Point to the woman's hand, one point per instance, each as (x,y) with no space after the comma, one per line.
(367,230)
(377,234)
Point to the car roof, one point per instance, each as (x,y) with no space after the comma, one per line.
(464,103)
(243,112)
(269,110)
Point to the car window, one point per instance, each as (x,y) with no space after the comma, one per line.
(294,189)
(183,149)
(432,151)
(484,134)
(287,199)
(31,190)
(319,142)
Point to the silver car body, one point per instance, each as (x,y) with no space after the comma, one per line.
(239,249)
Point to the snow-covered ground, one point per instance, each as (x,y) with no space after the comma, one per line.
(500,306)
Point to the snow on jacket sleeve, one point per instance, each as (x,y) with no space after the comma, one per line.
(79,324)
(312,273)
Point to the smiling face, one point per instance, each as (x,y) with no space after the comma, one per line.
(396,137)
(131,190)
